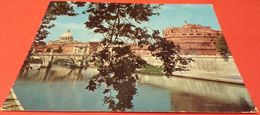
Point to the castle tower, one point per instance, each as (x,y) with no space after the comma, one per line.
(193,39)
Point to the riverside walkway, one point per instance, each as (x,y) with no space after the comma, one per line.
(219,77)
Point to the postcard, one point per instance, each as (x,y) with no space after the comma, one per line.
(126,57)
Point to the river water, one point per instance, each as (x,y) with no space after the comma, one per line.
(63,89)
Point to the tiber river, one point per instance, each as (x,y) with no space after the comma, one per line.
(63,89)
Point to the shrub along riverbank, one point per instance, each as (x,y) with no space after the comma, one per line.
(150,69)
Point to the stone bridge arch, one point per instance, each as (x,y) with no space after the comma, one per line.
(63,58)
(42,60)
(75,59)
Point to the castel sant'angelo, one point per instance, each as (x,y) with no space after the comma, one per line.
(193,39)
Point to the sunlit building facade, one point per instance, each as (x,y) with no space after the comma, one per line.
(66,44)
(193,39)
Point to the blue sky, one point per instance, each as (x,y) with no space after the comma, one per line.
(170,15)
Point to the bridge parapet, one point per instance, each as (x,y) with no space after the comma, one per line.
(52,57)
(58,54)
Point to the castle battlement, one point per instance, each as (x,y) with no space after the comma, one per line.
(194,30)
(193,39)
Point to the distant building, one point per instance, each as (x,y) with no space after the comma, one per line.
(64,39)
(39,48)
(66,44)
(93,47)
(142,51)
(193,39)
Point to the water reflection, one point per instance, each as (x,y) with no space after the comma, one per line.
(64,87)
(57,73)
(197,95)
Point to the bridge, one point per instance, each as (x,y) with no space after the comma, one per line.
(54,58)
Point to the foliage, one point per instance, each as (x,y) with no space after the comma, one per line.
(48,49)
(221,47)
(150,69)
(54,9)
(59,50)
(167,52)
(120,25)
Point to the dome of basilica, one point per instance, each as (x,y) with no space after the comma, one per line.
(67,36)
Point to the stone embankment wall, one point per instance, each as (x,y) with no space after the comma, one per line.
(214,64)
